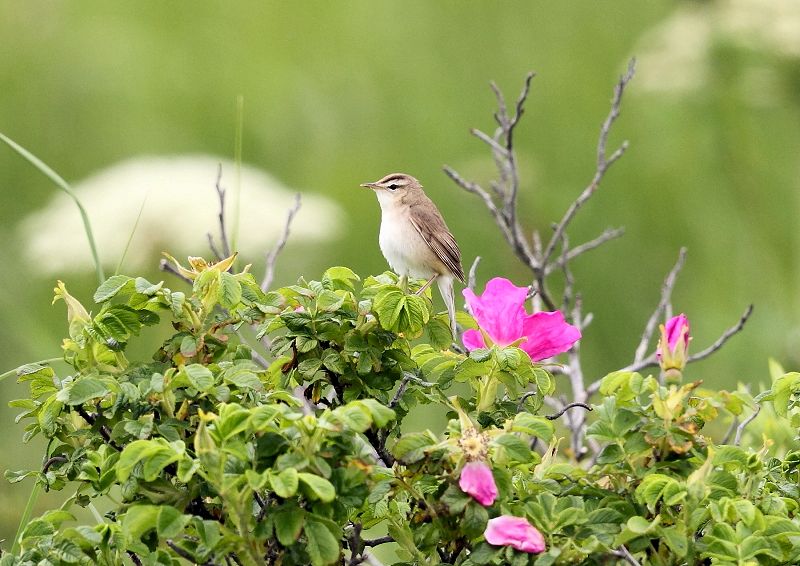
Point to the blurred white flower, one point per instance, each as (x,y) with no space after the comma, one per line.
(180,207)
(674,56)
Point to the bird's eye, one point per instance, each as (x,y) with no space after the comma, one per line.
(393,187)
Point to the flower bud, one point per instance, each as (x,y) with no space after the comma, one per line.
(673,347)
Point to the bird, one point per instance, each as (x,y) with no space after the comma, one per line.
(414,238)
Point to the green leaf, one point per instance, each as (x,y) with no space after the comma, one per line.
(154,455)
(381,414)
(78,392)
(341,276)
(321,544)
(144,286)
(329,301)
(289,523)
(411,447)
(110,287)
(230,290)
(515,448)
(318,486)
(199,376)
(400,313)
(475,519)
(139,519)
(170,522)
(285,483)
(532,425)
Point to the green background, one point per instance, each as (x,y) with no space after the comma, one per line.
(338,93)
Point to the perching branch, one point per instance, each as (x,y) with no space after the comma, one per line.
(272,256)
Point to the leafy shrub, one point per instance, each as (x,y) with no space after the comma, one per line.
(209,457)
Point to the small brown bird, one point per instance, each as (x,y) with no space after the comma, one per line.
(414,238)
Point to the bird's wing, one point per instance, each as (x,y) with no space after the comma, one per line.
(430,225)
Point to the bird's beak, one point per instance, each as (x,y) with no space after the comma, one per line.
(370,185)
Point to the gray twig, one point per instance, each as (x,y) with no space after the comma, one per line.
(165,265)
(652,360)
(624,553)
(740,429)
(272,256)
(607,235)
(225,251)
(603,163)
(666,294)
(701,355)
(472,273)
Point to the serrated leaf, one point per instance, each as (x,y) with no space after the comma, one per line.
(322,546)
(110,287)
(289,523)
(411,447)
(230,290)
(318,486)
(515,448)
(170,522)
(199,376)
(533,425)
(285,483)
(78,392)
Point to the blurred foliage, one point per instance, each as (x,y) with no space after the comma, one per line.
(334,97)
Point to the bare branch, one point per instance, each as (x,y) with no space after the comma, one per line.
(472,273)
(652,361)
(400,390)
(603,163)
(624,553)
(607,235)
(378,541)
(165,265)
(747,421)
(225,251)
(490,141)
(666,294)
(720,342)
(566,408)
(272,256)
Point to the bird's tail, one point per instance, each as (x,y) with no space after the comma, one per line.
(445,284)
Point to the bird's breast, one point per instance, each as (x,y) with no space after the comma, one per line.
(403,247)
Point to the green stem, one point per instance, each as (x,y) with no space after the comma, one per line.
(26,515)
(11,372)
(64,186)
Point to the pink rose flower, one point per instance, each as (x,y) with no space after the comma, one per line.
(673,346)
(516,532)
(477,480)
(500,312)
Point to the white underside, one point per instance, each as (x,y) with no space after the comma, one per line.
(401,244)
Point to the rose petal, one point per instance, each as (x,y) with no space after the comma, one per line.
(477,480)
(473,340)
(499,310)
(516,532)
(548,335)
(675,327)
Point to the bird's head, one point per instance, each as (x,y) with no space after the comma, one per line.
(394,187)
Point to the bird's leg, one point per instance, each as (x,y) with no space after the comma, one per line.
(427,284)
(403,283)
